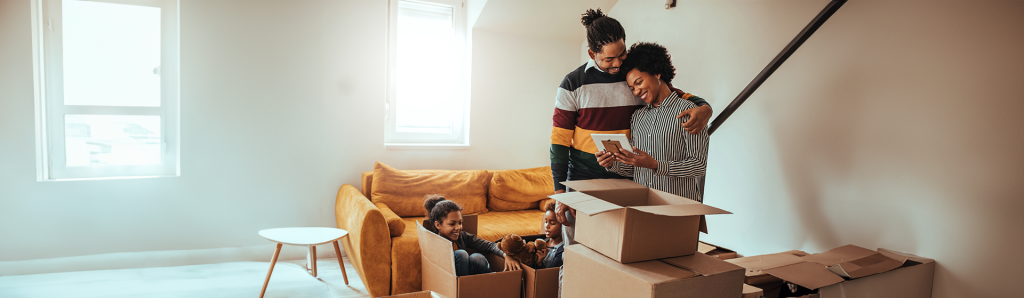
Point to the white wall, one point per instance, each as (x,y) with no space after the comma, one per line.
(282,102)
(897,125)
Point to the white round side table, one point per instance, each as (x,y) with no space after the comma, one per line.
(308,236)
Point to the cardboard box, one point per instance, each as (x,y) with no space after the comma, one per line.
(871,273)
(539,283)
(420,294)
(752,292)
(913,279)
(770,286)
(438,264)
(591,274)
(631,223)
(716,251)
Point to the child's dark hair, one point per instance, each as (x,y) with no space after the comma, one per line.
(651,58)
(550,207)
(601,29)
(438,208)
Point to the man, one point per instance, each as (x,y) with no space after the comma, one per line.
(594,98)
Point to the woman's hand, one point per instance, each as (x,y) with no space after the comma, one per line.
(604,158)
(637,159)
(510,263)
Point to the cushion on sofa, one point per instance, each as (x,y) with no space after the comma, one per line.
(395,224)
(403,191)
(522,189)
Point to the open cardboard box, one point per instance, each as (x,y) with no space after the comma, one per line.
(881,273)
(438,264)
(539,283)
(719,252)
(591,274)
(629,222)
(770,285)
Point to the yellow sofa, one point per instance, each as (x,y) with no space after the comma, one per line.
(381,218)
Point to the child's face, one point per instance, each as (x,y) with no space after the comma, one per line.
(450,226)
(552,228)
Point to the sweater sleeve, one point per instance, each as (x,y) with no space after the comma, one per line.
(562,131)
(475,243)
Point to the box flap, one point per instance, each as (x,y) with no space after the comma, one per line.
(895,255)
(436,249)
(680,210)
(861,267)
(758,263)
(702,264)
(469,223)
(584,203)
(602,184)
(704,248)
(751,291)
(839,254)
(807,274)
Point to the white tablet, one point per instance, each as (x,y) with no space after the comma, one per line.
(611,142)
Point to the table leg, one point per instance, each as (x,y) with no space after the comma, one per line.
(312,254)
(341,262)
(273,261)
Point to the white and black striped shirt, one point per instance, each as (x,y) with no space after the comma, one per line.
(681,157)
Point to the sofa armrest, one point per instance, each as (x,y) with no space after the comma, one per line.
(395,224)
(369,241)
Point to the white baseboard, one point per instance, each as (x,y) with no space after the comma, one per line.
(169,258)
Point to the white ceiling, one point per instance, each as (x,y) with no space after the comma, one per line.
(548,19)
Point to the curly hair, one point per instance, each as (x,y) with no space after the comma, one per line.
(437,208)
(651,58)
(601,29)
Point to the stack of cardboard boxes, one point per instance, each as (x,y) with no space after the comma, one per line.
(641,242)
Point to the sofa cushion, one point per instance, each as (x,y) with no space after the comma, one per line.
(512,190)
(403,191)
(395,224)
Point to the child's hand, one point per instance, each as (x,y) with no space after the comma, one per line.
(510,263)
(541,253)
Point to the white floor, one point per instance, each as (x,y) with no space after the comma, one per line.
(235,279)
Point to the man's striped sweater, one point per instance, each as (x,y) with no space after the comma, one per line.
(590,101)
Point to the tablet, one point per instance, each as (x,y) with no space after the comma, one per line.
(612,143)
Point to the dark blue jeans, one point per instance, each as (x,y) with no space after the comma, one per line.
(466,264)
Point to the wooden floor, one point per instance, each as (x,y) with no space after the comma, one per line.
(236,279)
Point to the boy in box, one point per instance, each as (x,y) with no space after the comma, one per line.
(444,218)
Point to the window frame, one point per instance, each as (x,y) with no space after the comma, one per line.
(51,110)
(459,137)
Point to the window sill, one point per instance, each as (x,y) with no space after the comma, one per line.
(419,146)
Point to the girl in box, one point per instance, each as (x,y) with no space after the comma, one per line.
(444,218)
(551,256)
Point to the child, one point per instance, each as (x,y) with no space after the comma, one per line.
(551,257)
(444,218)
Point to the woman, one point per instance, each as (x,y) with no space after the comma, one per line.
(665,156)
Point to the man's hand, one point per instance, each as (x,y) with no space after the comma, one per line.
(604,158)
(699,118)
(560,212)
(639,159)
(510,263)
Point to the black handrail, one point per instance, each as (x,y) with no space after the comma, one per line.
(823,16)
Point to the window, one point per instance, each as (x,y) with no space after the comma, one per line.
(107,88)
(428,82)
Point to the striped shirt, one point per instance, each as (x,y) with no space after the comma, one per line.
(681,157)
(589,101)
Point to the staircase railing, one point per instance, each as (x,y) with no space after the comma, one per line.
(800,38)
